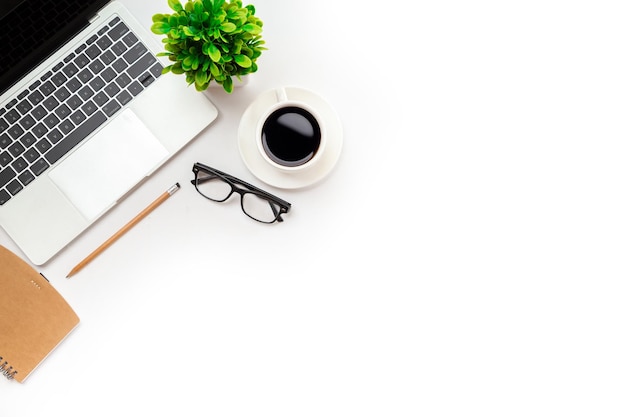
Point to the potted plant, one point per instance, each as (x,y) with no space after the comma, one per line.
(210,40)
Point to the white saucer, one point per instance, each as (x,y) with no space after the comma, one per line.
(267,173)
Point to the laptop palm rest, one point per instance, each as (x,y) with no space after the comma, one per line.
(109,165)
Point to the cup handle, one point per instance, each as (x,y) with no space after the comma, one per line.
(281,94)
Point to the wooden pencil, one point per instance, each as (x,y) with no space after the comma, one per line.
(124,229)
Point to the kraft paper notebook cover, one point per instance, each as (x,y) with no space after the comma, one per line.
(34,317)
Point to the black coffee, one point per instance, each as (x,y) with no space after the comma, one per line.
(291,136)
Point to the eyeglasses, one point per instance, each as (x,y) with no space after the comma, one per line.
(255,203)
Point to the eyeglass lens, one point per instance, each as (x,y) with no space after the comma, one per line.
(218,189)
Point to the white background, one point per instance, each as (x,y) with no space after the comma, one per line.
(465,256)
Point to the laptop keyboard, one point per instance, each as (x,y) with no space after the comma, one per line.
(56,112)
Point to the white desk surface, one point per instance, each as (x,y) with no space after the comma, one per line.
(465,257)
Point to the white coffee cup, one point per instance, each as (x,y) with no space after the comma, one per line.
(290,135)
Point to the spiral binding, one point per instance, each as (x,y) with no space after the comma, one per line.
(6,369)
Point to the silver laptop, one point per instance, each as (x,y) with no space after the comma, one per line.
(85,115)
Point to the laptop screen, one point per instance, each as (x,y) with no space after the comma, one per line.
(33,29)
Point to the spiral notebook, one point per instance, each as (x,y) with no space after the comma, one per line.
(34,317)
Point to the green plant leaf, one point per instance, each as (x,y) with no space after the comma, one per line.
(215,71)
(187,63)
(208,4)
(198,7)
(214,53)
(228,27)
(252,28)
(190,31)
(217,5)
(201,78)
(243,61)
(177,68)
(175,5)
(228,85)
(160,28)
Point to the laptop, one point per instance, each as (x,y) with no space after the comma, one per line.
(85,116)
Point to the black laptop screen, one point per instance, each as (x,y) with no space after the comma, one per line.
(31,30)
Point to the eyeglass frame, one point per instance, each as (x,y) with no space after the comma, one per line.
(235,184)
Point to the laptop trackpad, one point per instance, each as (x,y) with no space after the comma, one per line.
(109,164)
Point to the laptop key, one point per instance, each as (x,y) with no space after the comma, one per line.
(111,107)
(74,138)
(124,97)
(100,99)
(51,121)
(15,131)
(93,51)
(107,57)
(66,126)
(118,31)
(146,79)
(6,175)
(135,53)
(62,111)
(24,106)
(43,145)
(5,158)
(73,84)
(74,102)
(130,39)
(97,83)
(39,112)
(19,164)
(50,103)
(118,48)
(31,155)
(16,149)
(4,197)
(12,116)
(141,65)
(156,70)
(26,177)
(14,187)
(120,65)
(104,42)
(135,88)
(54,136)
(35,97)
(70,70)
(78,117)
(58,79)
(123,80)
(27,122)
(40,130)
(5,141)
(28,139)
(62,93)
(39,167)
(47,88)
(88,108)
(81,60)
